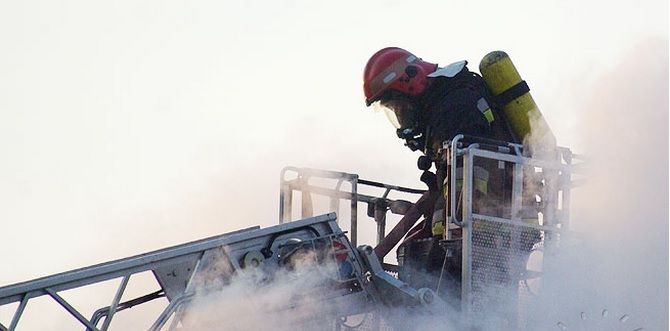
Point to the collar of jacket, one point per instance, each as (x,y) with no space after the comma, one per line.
(450,70)
(440,83)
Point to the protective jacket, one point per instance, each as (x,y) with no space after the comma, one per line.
(457,102)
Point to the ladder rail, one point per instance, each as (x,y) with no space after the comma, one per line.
(163,263)
(113,269)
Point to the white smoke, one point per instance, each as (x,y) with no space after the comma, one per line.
(294,296)
(616,276)
(613,277)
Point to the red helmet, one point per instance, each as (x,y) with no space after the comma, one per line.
(394,68)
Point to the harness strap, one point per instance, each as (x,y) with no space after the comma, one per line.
(512,93)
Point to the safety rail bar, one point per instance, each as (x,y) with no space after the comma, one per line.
(378,206)
(562,163)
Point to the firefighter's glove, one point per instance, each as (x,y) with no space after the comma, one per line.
(430,180)
(424,163)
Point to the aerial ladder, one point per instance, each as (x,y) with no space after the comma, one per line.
(364,280)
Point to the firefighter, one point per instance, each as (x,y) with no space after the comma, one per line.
(429,105)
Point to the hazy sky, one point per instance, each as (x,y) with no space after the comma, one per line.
(127,126)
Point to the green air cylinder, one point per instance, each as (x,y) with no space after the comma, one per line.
(513,95)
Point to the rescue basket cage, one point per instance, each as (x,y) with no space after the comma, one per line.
(503,254)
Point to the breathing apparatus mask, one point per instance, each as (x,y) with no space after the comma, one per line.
(403,113)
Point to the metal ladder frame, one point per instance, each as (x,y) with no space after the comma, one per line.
(174,269)
(155,261)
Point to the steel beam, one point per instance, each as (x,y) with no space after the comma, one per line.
(18,312)
(353,231)
(405,224)
(466,265)
(74,312)
(139,263)
(545,164)
(115,303)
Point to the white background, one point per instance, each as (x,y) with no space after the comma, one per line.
(133,125)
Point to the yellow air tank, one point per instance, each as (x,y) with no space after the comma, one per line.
(512,94)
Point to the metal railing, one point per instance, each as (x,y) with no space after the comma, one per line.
(174,269)
(495,248)
(377,206)
(171,266)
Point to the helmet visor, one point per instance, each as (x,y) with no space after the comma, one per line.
(401,113)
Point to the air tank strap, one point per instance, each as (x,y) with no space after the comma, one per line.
(512,93)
